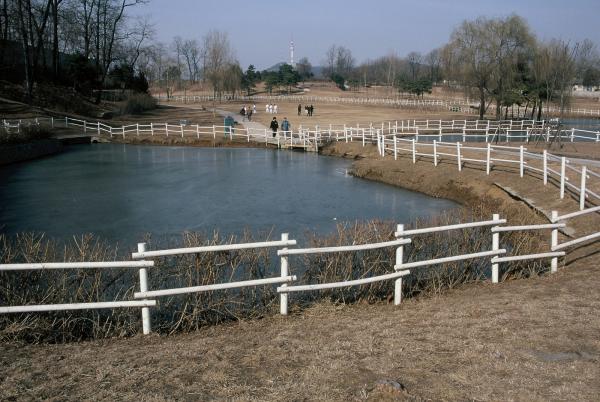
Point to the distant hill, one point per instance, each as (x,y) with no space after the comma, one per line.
(316,70)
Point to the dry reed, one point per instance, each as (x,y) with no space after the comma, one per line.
(189,312)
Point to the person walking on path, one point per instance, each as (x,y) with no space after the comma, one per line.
(275,109)
(285,125)
(254,108)
(274,126)
(250,112)
(311,110)
(267,108)
(299,109)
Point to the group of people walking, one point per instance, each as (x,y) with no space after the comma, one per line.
(308,110)
(246,112)
(271,108)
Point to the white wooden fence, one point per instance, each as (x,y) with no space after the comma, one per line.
(399,269)
(549,168)
(456,105)
(141,265)
(427,130)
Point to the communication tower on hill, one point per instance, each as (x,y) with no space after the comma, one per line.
(292,54)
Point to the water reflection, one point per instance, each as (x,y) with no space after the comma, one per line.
(121,192)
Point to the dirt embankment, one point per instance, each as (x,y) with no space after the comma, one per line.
(31,150)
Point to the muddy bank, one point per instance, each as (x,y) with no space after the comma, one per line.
(442,182)
(204,142)
(31,150)
(471,187)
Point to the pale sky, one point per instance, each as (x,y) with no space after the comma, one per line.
(260,30)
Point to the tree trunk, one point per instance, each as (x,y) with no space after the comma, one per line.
(540,107)
(481,102)
(55,60)
(26,55)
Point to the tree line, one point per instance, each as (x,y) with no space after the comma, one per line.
(76,42)
(95,44)
(499,61)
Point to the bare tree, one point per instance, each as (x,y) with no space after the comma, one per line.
(330,60)
(344,62)
(555,70)
(414,59)
(218,57)
(191,52)
(339,60)
(304,68)
(433,59)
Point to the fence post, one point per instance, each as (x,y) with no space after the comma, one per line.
(98,125)
(395,148)
(582,188)
(435,153)
(214,132)
(197,131)
(146,328)
(414,151)
(458,156)
(66,122)
(266,139)
(495,247)
(167,129)
(363,137)
(545,166)
(563,162)
(52,121)
(554,243)
(137,129)
(85,126)
(521,161)
(488,159)
(283,297)
(399,258)
(572,134)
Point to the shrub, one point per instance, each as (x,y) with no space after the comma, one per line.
(26,133)
(138,103)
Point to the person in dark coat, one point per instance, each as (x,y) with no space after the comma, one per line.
(274,126)
(299,109)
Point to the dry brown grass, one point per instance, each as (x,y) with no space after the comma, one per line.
(526,340)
